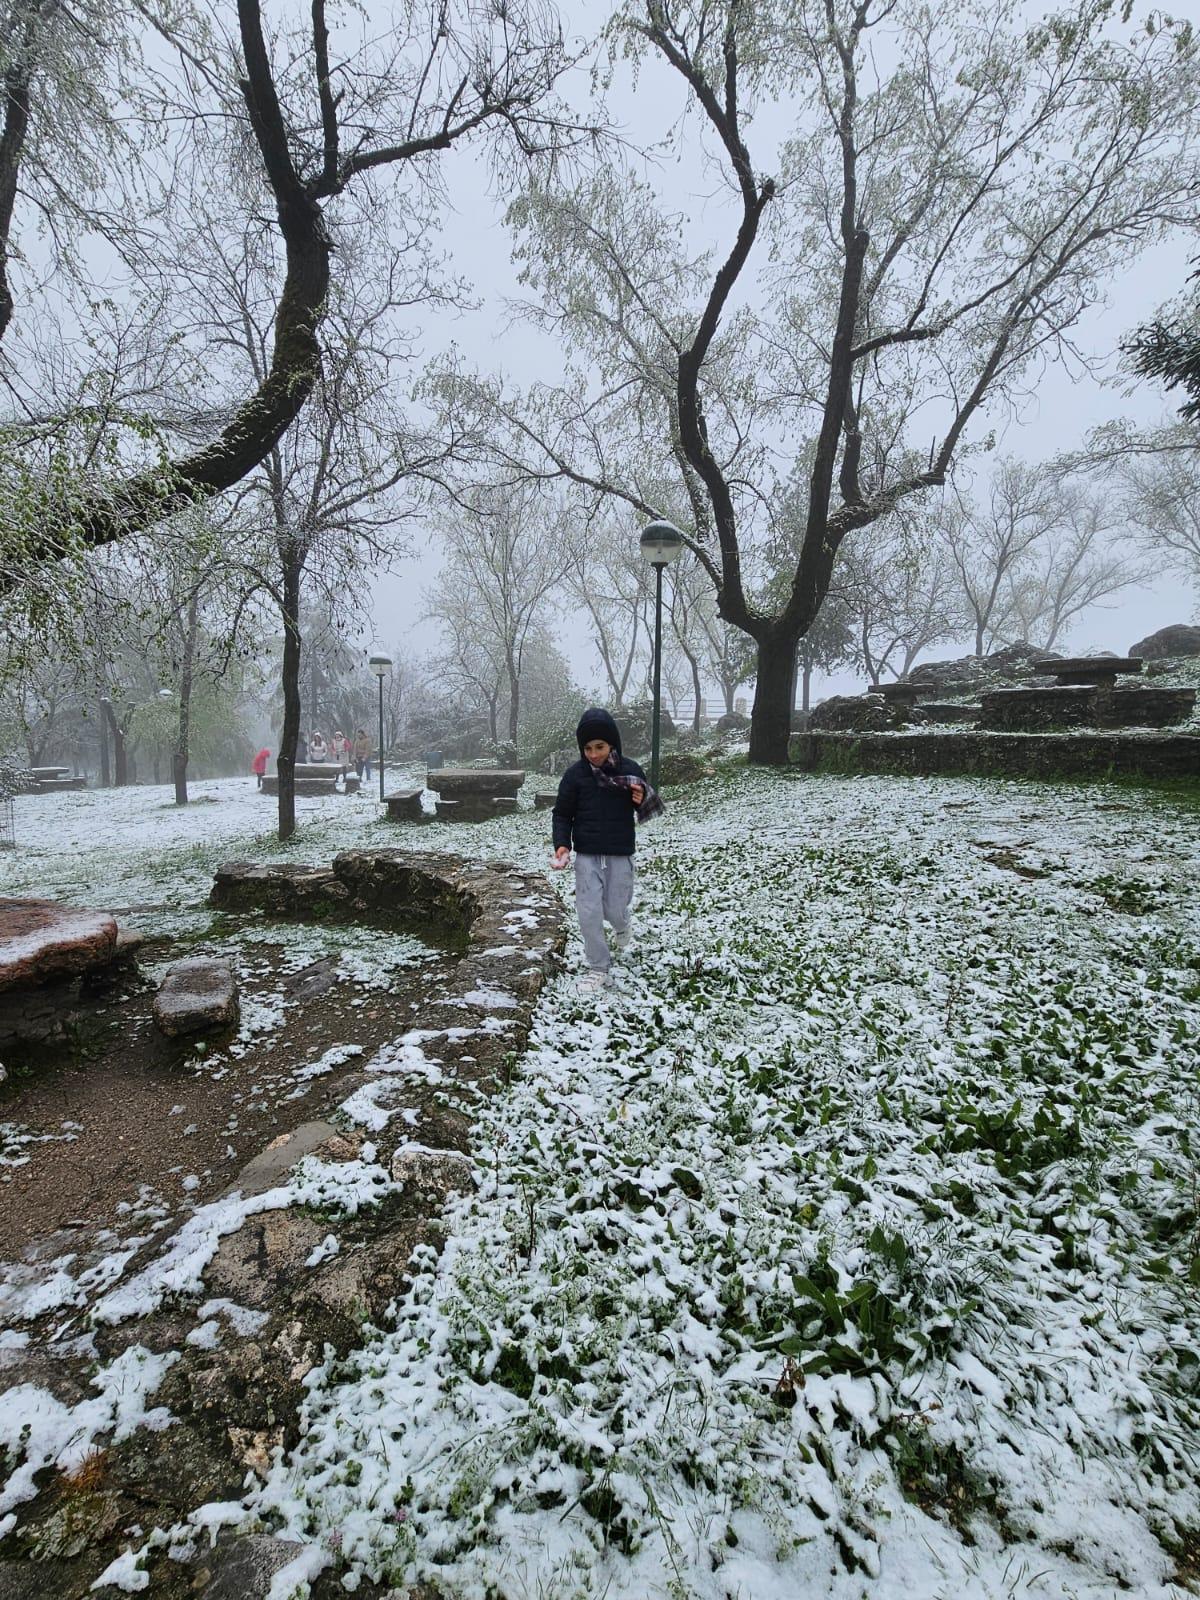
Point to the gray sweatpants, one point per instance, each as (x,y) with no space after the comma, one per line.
(603,891)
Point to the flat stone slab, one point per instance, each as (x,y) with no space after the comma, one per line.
(1089,669)
(458,782)
(323,785)
(196,994)
(272,1165)
(246,1568)
(41,941)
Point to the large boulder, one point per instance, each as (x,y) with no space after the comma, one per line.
(196,995)
(732,722)
(845,713)
(683,766)
(41,941)
(636,725)
(1178,639)
(970,675)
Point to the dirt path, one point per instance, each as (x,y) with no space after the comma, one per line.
(102,1148)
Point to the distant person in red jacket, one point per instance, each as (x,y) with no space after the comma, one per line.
(259,765)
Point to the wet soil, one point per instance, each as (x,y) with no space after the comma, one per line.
(119,1135)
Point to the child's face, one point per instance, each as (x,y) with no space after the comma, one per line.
(596,750)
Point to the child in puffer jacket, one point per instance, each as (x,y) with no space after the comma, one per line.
(599,797)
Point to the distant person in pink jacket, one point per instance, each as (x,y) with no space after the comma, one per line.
(259,765)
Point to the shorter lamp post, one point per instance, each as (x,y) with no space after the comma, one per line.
(661,543)
(381,666)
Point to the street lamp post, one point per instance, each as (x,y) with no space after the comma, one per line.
(381,666)
(661,543)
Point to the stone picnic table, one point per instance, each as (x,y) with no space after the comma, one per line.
(1099,672)
(476,793)
(51,780)
(315,777)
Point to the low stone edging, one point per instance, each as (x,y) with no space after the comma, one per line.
(1002,755)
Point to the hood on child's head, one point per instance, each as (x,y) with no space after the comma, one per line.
(596,723)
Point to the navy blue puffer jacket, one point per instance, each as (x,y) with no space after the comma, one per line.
(590,816)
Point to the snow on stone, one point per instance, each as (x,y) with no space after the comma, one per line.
(125,1574)
(489,999)
(328,1247)
(38,1431)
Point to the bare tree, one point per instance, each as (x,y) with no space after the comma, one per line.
(472,661)
(988,544)
(1033,554)
(1079,566)
(896,595)
(507,554)
(320,125)
(1158,482)
(945,214)
(610,579)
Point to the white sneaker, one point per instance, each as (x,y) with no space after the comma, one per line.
(593,981)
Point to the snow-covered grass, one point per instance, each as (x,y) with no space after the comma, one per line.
(850,1247)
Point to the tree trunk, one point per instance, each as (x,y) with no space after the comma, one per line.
(771,715)
(23,53)
(102,730)
(285,763)
(179,756)
(698,702)
(120,755)
(514,702)
(805,703)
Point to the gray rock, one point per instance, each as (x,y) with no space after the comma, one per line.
(732,720)
(439,1172)
(1177,639)
(844,713)
(969,675)
(312,981)
(272,1165)
(244,1569)
(196,995)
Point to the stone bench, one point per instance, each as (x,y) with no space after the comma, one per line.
(196,995)
(545,801)
(404,806)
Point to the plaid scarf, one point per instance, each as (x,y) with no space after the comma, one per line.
(610,778)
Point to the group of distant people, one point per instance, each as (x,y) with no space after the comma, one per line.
(338,751)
